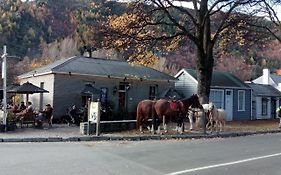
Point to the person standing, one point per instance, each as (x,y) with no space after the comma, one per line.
(278,111)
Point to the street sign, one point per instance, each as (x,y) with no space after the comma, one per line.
(94,112)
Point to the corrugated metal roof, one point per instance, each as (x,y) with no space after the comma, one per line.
(264,90)
(276,78)
(221,79)
(100,67)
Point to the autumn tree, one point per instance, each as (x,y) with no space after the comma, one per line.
(161,25)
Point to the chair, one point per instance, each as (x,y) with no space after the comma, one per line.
(48,120)
(27,118)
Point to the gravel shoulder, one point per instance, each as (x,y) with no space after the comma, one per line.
(65,131)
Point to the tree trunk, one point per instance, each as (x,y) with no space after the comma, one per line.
(204,75)
(204,78)
(205,60)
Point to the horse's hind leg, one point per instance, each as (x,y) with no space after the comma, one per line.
(141,131)
(152,129)
(164,124)
(191,122)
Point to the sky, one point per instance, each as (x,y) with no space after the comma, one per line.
(189,4)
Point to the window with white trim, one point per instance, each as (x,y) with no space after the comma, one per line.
(241,100)
(217,96)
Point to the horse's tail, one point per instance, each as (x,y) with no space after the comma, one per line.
(139,116)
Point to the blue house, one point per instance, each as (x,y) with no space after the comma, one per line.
(227,92)
(264,101)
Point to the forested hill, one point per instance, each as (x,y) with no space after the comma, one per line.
(41,31)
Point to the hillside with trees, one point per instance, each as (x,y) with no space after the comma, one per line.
(43,31)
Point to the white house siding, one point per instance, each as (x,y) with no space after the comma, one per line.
(48,85)
(186,85)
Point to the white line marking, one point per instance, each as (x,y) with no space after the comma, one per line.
(223,164)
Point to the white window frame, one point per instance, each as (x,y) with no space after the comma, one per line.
(243,100)
(221,100)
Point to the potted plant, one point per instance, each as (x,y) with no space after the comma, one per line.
(11,121)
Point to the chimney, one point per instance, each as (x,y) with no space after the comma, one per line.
(265,76)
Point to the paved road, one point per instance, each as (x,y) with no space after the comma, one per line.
(251,155)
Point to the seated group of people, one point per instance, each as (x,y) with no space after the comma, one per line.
(23,111)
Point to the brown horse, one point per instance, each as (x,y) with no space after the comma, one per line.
(144,112)
(163,109)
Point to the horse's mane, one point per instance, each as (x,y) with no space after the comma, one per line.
(188,101)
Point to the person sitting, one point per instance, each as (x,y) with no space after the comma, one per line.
(14,108)
(29,109)
(46,114)
(22,106)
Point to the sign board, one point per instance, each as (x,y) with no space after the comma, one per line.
(94,112)
(1,116)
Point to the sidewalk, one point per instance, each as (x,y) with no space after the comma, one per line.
(65,133)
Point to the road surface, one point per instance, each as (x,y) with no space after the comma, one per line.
(251,155)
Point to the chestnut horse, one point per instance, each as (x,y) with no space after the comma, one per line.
(163,109)
(144,112)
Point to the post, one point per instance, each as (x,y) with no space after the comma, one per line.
(94,115)
(4,77)
(98,120)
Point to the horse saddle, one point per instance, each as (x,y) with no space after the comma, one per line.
(174,105)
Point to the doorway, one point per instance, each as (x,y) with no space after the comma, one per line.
(229,104)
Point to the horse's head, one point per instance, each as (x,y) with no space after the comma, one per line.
(192,102)
(211,106)
(195,103)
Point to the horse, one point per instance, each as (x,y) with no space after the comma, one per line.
(197,114)
(217,116)
(144,112)
(163,108)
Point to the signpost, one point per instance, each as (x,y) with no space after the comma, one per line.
(94,116)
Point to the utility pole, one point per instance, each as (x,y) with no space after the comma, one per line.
(4,77)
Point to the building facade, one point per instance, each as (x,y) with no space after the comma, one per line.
(75,80)
(227,92)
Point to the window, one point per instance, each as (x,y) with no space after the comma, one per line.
(216,96)
(264,106)
(241,100)
(152,92)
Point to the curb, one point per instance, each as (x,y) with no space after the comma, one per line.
(135,138)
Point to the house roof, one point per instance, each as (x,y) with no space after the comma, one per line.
(220,79)
(264,90)
(276,78)
(79,65)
